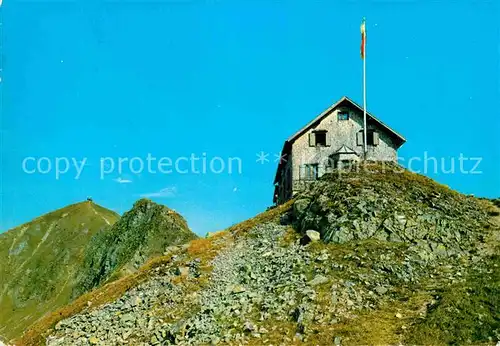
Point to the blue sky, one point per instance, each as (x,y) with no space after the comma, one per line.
(87,79)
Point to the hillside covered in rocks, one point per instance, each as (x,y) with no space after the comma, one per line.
(371,256)
(391,205)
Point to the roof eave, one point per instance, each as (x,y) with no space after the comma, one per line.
(331,108)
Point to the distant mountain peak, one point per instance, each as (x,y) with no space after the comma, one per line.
(39,260)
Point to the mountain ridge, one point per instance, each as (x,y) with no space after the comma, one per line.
(38,259)
(66,208)
(323,268)
(56,257)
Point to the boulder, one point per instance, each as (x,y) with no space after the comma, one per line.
(286,219)
(300,206)
(238,289)
(248,326)
(318,280)
(310,237)
(182,271)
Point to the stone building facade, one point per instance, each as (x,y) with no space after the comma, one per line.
(330,141)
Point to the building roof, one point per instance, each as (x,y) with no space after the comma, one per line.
(327,111)
(344,100)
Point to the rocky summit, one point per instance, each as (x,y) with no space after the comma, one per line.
(390,204)
(366,257)
(141,233)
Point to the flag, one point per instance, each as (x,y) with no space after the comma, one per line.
(363,39)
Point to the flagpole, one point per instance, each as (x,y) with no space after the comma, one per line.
(365,148)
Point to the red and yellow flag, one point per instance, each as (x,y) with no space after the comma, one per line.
(363,38)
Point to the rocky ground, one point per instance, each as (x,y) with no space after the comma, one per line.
(391,205)
(377,260)
(261,281)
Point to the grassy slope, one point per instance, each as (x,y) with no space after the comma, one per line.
(205,249)
(467,312)
(38,262)
(430,312)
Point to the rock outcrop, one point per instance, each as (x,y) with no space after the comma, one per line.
(391,204)
(141,233)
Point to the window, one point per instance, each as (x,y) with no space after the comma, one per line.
(343,115)
(321,138)
(311,172)
(359,137)
(372,137)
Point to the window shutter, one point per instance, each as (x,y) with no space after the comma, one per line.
(312,141)
(359,138)
(375,138)
(328,139)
